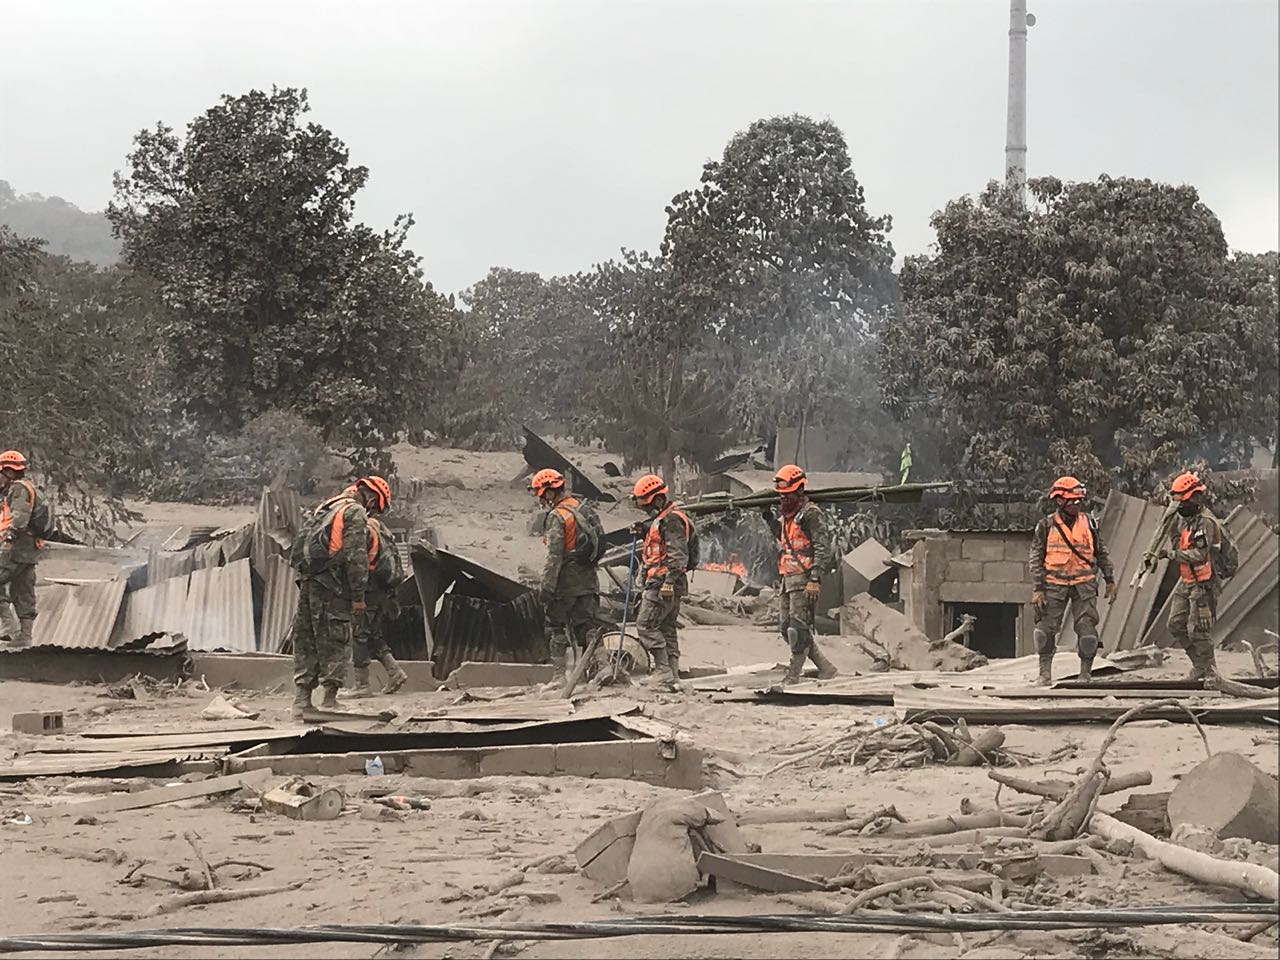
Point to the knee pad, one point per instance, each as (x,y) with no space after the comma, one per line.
(799,637)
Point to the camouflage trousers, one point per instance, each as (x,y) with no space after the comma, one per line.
(321,636)
(19,579)
(577,615)
(1184,625)
(1082,599)
(656,623)
(368,642)
(796,610)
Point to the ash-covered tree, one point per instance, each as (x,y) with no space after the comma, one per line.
(275,298)
(74,345)
(1105,332)
(657,400)
(776,257)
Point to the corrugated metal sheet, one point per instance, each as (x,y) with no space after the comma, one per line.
(51,600)
(152,611)
(166,564)
(237,544)
(208,554)
(279,604)
(84,618)
(1253,584)
(471,628)
(279,517)
(220,609)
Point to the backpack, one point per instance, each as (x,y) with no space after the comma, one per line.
(691,532)
(310,551)
(1225,556)
(589,544)
(41,525)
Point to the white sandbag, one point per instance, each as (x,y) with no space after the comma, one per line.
(663,866)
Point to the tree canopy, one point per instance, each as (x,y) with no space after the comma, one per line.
(1104,332)
(275,297)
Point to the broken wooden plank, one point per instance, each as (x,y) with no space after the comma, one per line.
(151,798)
(753,875)
(171,742)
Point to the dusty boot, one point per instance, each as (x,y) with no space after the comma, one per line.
(361,690)
(660,668)
(559,673)
(25,625)
(1086,670)
(396,677)
(794,667)
(9,627)
(301,702)
(330,699)
(1045,679)
(674,663)
(826,669)
(1204,666)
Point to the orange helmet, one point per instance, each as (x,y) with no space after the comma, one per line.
(545,480)
(1067,488)
(789,479)
(13,460)
(379,488)
(1183,487)
(648,487)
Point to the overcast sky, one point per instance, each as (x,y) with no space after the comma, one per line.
(546,134)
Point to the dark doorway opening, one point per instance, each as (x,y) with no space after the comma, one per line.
(995,630)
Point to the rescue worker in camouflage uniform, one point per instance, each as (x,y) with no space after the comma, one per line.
(333,596)
(1194,539)
(570,585)
(386,572)
(804,551)
(19,547)
(1067,554)
(663,581)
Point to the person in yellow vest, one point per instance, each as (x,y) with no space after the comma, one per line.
(664,580)
(804,552)
(1067,554)
(570,584)
(1194,538)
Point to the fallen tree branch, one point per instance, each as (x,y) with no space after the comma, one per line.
(1058,789)
(956,824)
(1234,689)
(210,879)
(858,823)
(606,894)
(884,889)
(1250,877)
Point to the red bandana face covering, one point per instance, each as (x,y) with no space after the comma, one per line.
(789,504)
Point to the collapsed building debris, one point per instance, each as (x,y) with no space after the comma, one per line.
(540,455)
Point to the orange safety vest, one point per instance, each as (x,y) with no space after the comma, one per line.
(1062,565)
(653,553)
(374,543)
(339,506)
(1193,573)
(796,556)
(6,515)
(562,507)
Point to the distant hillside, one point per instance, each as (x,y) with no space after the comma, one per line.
(66,229)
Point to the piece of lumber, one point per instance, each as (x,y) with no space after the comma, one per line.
(1058,789)
(1233,689)
(754,876)
(944,825)
(580,667)
(978,752)
(794,814)
(1250,877)
(150,798)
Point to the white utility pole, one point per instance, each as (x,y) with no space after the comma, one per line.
(1015,146)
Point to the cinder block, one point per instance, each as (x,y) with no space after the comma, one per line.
(38,722)
(990,592)
(443,764)
(965,571)
(1004,571)
(1018,550)
(533,760)
(952,549)
(604,759)
(976,548)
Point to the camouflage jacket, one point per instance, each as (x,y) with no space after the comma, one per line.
(667,561)
(1206,530)
(16,541)
(813,521)
(347,574)
(563,575)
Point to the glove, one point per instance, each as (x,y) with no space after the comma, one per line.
(1204,616)
(358,606)
(1111,591)
(1038,600)
(1162,553)
(638,528)
(812,588)
(667,591)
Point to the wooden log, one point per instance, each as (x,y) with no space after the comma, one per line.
(150,798)
(1058,789)
(979,752)
(1230,796)
(794,814)
(945,825)
(1250,877)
